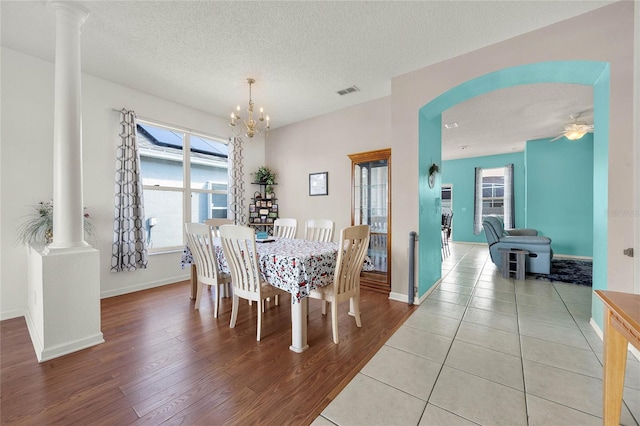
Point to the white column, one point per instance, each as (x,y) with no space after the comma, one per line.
(68,225)
(63,280)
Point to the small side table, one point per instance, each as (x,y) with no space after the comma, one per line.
(513,262)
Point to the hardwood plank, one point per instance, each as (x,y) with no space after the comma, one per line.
(164,362)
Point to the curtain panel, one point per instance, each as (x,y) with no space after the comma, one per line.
(129,250)
(509,211)
(477,204)
(237,210)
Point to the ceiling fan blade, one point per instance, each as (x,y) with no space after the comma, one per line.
(557,137)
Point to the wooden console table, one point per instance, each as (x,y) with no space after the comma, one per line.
(621,325)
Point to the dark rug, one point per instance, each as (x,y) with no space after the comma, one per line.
(568,271)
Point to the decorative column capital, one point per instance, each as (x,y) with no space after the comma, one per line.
(75,13)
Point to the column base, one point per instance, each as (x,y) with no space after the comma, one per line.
(63,300)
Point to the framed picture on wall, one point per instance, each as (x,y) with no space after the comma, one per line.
(318,183)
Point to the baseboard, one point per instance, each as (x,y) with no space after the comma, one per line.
(143,286)
(399,297)
(433,287)
(35,337)
(14,313)
(569,256)
(69,347)
(22,312)
(45,354)
(596,328)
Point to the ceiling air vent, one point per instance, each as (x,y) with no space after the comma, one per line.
(347,90)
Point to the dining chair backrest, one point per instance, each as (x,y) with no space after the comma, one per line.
(285,228)
(239,248)
(354,243)
(199,241)
(319,230)
(216,223)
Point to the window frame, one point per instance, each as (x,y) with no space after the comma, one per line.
(186,189)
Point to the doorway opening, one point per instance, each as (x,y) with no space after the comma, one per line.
(596,74)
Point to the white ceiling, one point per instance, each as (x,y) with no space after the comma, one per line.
(199,53)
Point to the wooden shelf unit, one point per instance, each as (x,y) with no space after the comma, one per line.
(263,210)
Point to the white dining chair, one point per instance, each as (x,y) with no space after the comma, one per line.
(199,238)
(216,223)
(354,242)
(239,248)
(285,228)
(319,230)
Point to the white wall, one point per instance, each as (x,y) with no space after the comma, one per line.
(27,167)
(322,145)
(603,35)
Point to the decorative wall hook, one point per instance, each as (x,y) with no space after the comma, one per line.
(433,169)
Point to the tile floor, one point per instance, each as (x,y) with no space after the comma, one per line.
(490,351)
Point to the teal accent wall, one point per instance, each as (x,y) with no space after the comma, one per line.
(560,193)
(592,73)
(429,228)
(461,175)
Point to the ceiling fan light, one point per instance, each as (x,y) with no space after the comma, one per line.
(574,135)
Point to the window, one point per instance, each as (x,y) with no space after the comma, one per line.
(493,192)
(178,165)
(493,196)
(445,195)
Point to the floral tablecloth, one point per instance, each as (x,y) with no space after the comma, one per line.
(296,266)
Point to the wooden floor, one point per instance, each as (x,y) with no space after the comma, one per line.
(165,363)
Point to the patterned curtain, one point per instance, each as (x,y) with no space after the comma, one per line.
(509,213)
(129,251)
(237,210)
(477,205)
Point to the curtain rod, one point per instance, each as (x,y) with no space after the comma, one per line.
(175,127)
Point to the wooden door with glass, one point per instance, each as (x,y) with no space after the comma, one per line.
(371,205)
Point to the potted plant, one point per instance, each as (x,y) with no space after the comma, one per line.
(39,227)
(267,177)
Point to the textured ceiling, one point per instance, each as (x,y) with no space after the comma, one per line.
(199,53)
(501,121)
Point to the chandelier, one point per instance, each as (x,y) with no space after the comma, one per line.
(250,126)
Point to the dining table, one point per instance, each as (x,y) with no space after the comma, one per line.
(293,265)
(621,328)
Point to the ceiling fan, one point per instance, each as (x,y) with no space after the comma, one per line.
(575,130)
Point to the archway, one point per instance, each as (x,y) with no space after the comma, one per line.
(592,73)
